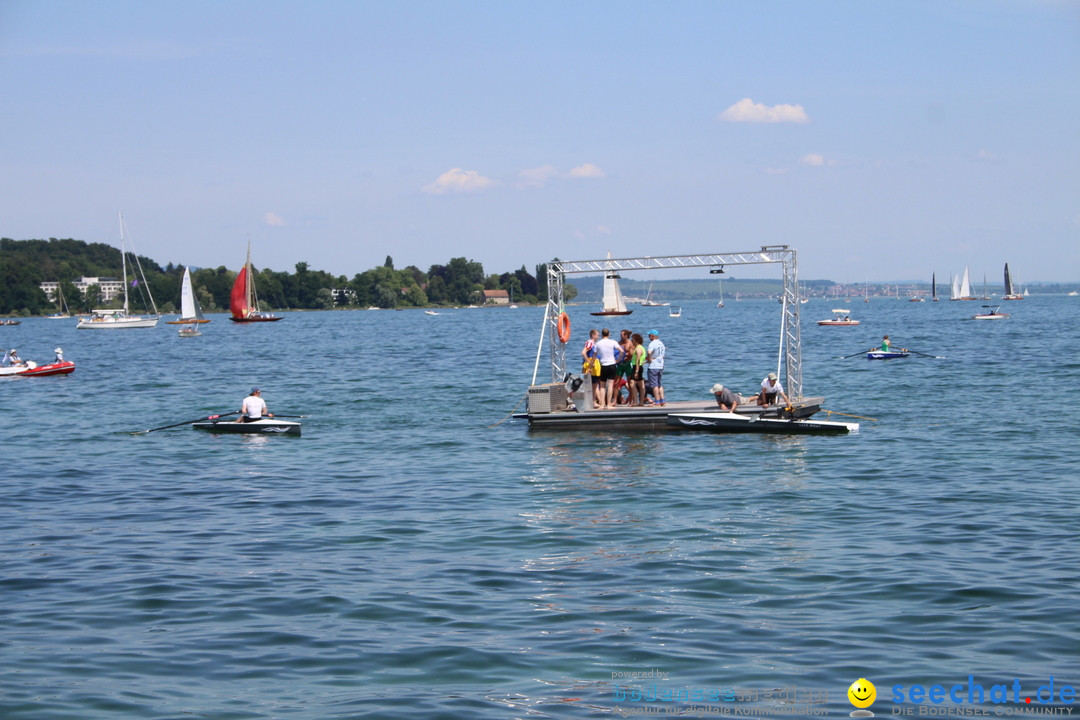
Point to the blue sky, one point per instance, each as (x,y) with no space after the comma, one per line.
(882,140)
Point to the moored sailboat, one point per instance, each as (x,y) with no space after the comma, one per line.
(648,301)
(121,318)
(243,302)
(62,304)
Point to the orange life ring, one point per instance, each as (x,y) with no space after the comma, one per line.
(564,327)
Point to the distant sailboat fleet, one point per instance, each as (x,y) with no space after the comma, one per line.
(961,288)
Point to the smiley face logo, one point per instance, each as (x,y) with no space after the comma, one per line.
(862,693)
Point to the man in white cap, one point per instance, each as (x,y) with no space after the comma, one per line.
(725,398)
(770,388)
(59,354)
(12,358)
(254,407)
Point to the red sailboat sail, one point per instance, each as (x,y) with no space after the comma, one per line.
(238,300)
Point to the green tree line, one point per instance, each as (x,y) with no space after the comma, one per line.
(25,264)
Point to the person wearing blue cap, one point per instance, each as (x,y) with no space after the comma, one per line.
(253,407)
(657,350)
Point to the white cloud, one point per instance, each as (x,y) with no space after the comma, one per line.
(813,160)
(273,219)
(776,171)
(588,170)
(746,110)
(536,177)
(986,156)
(459,181)
(592,233)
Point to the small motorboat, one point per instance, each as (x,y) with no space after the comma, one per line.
(32,369)
(675,312)
(265,426)
(887,354)
(10,322)
(993,314)
(722,422)
(840,317)
(430,312)
(189,331)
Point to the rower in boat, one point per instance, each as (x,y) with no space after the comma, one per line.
(254,407)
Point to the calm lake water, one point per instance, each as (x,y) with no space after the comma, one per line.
(410,557)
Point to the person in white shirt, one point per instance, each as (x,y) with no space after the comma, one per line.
(770,388)
(657,351)
(608,353)
(12,358)
(253,407)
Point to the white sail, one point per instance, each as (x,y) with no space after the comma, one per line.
(965,286)
(955,291)
(187,297)
(613,300)
(189,305)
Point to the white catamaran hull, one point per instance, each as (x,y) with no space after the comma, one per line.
(735,423)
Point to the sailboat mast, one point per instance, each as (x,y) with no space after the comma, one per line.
(123,260)
(250,284)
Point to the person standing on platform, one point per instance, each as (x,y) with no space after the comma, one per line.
(637,370)
(590,367)
(608,353)
(657,351)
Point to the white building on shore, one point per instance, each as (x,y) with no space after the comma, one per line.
(110,287)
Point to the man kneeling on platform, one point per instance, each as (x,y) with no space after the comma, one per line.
(770,388)
(725,398)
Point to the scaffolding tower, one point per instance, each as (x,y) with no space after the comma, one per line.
(790,339)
